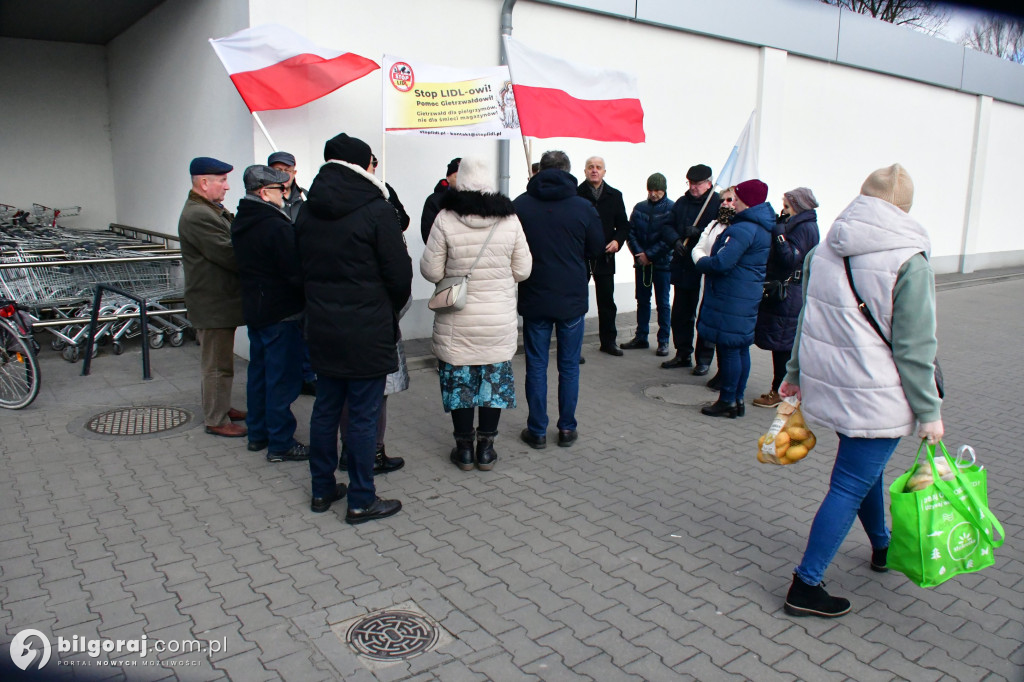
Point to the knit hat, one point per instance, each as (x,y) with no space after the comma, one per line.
(453,166)
(698,173)
(892,184)
(256,177)
(350,149)
(475,175)
(205,165)
(281,157)
(752,192)
(657,182)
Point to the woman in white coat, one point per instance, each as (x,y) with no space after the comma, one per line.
(474,346)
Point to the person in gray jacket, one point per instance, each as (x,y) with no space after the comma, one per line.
(872,387)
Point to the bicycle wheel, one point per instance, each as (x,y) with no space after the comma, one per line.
(19,370)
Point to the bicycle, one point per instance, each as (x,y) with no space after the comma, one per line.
(19,368)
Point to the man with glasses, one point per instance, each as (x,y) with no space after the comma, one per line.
(213,295)
(272,303)
(293,194)
(692,212)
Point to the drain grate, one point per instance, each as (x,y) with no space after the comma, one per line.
(137,421)
(392,635)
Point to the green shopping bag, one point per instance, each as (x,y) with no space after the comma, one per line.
(945,529)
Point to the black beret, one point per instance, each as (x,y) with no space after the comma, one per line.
(204,165)
(698,173)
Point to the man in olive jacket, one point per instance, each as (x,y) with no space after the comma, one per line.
(213,294)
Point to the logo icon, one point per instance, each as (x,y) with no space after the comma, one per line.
(402,77)
(963,540)
(22,652)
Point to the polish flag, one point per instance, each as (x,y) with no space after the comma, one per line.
(558,98)
(274,67)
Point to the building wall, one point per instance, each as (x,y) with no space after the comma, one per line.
(171,101)
(1000,239)
(55,129)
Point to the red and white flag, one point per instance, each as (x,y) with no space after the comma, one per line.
(558,98)
(274,67)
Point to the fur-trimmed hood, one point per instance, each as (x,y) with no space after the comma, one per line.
(482,204)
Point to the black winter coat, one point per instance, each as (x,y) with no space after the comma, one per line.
(614,223)
(776,322)
(648,227)
(563,231)
(268,264)
(432,206)
(357,274)
(684,215)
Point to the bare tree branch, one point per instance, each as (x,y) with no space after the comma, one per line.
(998,35)
(922,15)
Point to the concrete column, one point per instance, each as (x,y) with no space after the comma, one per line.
(976,182)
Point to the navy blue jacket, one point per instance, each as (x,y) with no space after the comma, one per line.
(563,230)
(268,265)
(649,224)
(734,278)
(684,215)
(776,322)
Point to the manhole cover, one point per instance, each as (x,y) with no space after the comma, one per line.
(684,395)
(392,635)
(137,421)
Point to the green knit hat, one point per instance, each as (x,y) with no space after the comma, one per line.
(657,182)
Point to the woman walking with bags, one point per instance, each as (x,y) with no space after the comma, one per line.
(795,234)
(477,233)
(872,385)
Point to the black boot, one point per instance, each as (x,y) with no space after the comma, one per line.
(485,454)
(720,408)
(383,464)
(462,453)
(813,600)
(880,560)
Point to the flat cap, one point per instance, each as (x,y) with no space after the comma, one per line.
(258,176)
(281,157)
(205,165)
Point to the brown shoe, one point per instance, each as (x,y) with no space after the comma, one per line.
(237,415)
(228,430)
(769,399)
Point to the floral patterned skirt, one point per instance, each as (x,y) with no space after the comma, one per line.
(477,385)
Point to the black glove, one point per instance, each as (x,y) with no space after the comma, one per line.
(679,247)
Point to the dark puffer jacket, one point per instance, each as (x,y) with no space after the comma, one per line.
(776,322)
(648,226)
(432,206)
(268,265)
(734,281)
(563,230)
(356,271)
(684,215)
(614,223)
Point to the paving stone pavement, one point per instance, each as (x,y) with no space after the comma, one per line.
(657,548)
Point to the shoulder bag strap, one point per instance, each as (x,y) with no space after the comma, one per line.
(862,306)
(482,249)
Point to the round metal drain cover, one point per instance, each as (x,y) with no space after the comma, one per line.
(137,421)
(392,635)
(684,395)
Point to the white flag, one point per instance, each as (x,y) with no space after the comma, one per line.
(742,162)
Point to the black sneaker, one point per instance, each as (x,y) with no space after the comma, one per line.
(880,560)
(321,504)
(380,509)
(296,453)
(813,600)
(257,445)
(635,343)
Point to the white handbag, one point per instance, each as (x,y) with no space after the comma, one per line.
(450,293)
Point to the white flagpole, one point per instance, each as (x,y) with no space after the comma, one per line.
(256,116)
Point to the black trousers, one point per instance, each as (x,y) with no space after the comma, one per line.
(604,288)
(684,320)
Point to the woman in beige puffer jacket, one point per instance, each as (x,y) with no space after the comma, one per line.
(474,346)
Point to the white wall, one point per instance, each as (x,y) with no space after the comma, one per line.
(55,129)
(1002,227)
(170,101)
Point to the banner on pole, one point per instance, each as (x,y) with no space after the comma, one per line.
(431,100)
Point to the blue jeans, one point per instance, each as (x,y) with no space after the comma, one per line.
(660,281)
(274,382)
(363,397)
(537,342)
(733,371)
(855,490)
